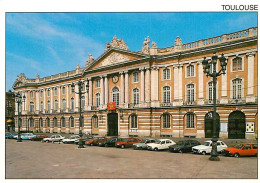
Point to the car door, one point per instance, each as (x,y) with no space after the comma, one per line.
(246,150)
(162,144)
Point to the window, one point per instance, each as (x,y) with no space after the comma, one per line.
(55,122)
(63,90)
(97,83)
(237,88)
(135,77)
(41,122)
(134,121)
(237,64)
(190,93)
(63,104)
(41,93)
(82,101)
(41,106)
(136,96)
(166,73)
(190,70)
(71,122)
(31,94)
(166,94)
(95,121)
(115,95)
(48,92)
(63,122)
(72,103)
(48,105)
(190,120)
(31,121)
(210,90)
(48,122)
(97,99)
(55,91)
(166,121)
(83,87)
(56,105)
(31,107)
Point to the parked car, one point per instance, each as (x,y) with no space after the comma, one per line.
(160,144)
(10,135)
(183,146)
(84,139)
(53,138)
(127,142)
(242,149)
(143,144)
(110,143)
(95,141)
(38,137)
(71,140)
(25,136)
(206,148)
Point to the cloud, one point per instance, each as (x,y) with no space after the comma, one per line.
(55,55)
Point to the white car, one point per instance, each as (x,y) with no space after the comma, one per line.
(71,140)
(54,138)
(206,148)
(160,144)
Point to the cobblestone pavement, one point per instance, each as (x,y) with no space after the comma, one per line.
(47,160)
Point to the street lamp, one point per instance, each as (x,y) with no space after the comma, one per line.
(18,100)
(80,85)
(214,74)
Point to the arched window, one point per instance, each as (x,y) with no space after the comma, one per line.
(63,122)
(48,122)
(41,107)
(190,93)
(71,122)
(95,121)
(83,101)
(72,103)
(31,106)
(190,70)
(135,77)
(31,122)
(237,88)
(166,120)
(63,104)
(166,94)
(133,119)
(41,122)
(56,105)
(48,106)
(190,120)
(97,99)
(136,96)
(115,95)
(210,90)
(55,91)
(166,73)
(63,90)
(237,64)
(55,122)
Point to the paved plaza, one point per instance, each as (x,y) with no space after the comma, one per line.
(47,160)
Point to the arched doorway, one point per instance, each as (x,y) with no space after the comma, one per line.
(112,124)
(209,125)
(236,125)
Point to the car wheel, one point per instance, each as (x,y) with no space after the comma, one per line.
(106,145)
(122,146)
(91,144)
(156,149)
(203,153)
(180,151)
(236,155)
(47,141)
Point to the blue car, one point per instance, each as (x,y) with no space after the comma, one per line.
(10,135)
(25,136)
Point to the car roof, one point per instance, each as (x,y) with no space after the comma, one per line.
(248,143)
(164,139)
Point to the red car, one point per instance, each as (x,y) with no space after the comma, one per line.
(127,142)
(242,149)
(96,140)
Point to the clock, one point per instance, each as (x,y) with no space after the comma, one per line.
(115,79)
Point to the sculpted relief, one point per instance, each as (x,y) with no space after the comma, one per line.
(114,58)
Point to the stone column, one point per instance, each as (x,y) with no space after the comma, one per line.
(76,98)
(200,84)
(67,97)
(37,101)
(90,92)
(142,85)
(250,77)
(51,90)
(26,102)
(59,98)
(180,83)
(106,90)
(102,92)
(122,89)
(176,84)
(126,87)
(147,85)
(44,100)
(154,87)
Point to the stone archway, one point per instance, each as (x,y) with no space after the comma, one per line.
(236,125)
(112,124)
(209,125)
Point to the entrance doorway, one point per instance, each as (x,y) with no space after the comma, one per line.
(236,125)
(209,125)
(112,124)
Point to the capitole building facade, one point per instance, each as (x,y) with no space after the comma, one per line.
(157,92)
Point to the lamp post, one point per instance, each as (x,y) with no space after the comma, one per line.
(80,92)
(214,74)
(18,100)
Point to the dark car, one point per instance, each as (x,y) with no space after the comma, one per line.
(183,146)
(10,135)
(95,141)
(84,139)
(110,143)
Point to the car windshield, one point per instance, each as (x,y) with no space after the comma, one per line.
(207,144)
(157,141)
(239,146)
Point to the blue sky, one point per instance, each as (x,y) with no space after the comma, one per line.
(52,43)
